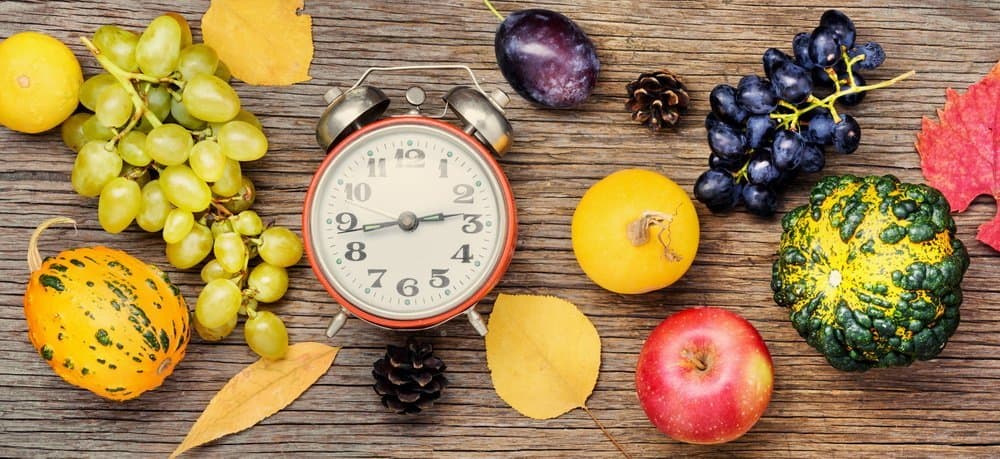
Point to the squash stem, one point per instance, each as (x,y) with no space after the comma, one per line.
(34,258)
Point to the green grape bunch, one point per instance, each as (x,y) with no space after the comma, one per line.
(162,145)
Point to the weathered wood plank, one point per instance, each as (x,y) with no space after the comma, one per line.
(947,407)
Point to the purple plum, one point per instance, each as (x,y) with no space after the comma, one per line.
(547,58)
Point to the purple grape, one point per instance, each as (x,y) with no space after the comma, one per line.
(786,150)
(731,164)
(758,130)
(760,200)
(824,48)
(846,135)
(841,25)
(813,159)
(761,169)
(820,128)
(726,141)
(774,57)
(874,55)
(723,102)
(546,58)
(756,95)
(800,47)
(791,82)
(716,189)
(853,99)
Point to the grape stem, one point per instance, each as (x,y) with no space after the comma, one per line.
(125,79)
(493,9)
(791,120)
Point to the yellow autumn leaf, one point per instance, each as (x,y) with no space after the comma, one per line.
(260,390)
(543,353)
(263,42)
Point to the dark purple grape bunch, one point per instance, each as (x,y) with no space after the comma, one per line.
(769,129)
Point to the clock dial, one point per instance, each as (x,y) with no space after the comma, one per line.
(408,221)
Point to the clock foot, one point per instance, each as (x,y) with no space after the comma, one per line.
(477,321)
(337,322)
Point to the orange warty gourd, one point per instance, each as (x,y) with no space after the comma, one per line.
(104,320)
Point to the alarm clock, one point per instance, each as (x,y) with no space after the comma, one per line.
(409,220)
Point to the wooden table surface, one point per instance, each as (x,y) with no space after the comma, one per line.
(948,406)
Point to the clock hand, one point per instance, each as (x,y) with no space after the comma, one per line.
(370,227)
(436,217)
(373,209)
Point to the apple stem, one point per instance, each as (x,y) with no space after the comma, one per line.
(494,10)
(697,360)
(607,433)
(638,231)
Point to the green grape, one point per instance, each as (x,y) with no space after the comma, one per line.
(169,144)
(120,202)
(192,249)
(218,303)
(72,131)
(196,59)
(180,114)
(209,98)
(177,225)
(243,115)
(218,333)
(186,38)
(119,45)
(222,72)
(243,199)
(268,282)
(248,223)
(279,246)
(158,100)
(184,189)
(207,160)
(91,89)
(114,106)
(93,168)
(242,141)
(266,335)
(94,130)
(231,180)
(155,207)
(132,149)
(221,227)
(159,47)
(144,126)
(213,270)
(230,251)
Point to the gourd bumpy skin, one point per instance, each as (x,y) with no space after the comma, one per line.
(871,270)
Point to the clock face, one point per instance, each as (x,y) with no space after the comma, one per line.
(409,220)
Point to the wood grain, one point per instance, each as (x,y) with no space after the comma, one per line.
(946,407)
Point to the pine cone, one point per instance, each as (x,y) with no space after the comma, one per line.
(657,99)
(409,378)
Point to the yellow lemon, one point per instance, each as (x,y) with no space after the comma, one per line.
(40,81)
(635,231)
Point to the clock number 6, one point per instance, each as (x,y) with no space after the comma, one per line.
(407,287)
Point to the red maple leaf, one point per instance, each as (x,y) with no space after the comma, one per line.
(960,155)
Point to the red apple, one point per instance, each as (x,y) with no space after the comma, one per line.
(704,376)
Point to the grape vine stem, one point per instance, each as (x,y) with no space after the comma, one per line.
(791,119)
(125,79)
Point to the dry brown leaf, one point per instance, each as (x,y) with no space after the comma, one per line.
(260,390)
(263,42)
(543,354)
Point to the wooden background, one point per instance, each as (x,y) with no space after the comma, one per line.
(949,406)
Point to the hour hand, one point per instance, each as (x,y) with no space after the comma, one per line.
(370,227)
(436,217)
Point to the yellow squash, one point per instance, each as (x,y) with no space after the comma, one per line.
(104,320)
